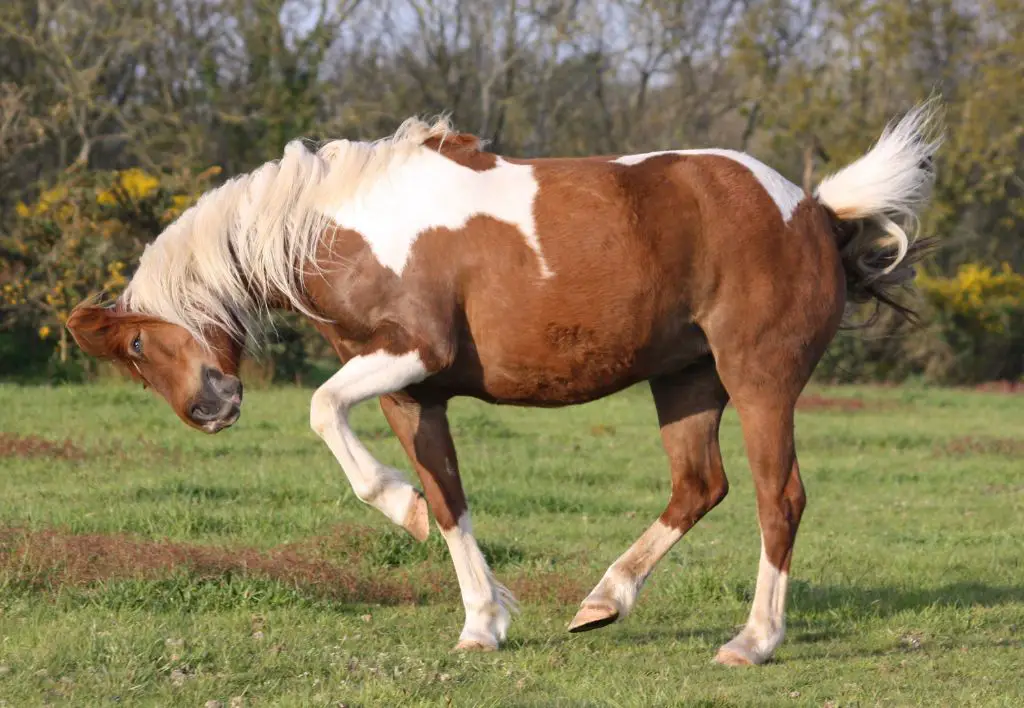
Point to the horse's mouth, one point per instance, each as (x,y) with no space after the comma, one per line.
(211,420)
(230,418)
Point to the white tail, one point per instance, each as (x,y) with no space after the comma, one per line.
(883,193)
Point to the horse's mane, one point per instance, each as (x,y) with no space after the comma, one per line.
(250,238)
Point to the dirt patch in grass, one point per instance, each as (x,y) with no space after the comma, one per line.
(815,402)
(1005,447)
(13,445)
(1001,387)
(26,446)
(48,560)
(560,588)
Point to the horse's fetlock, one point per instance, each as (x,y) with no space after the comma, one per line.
(368,491)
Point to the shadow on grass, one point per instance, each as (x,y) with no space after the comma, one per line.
(854,602)
(825,613)
(818,614)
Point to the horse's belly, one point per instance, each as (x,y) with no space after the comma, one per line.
(557,379)
(570,364)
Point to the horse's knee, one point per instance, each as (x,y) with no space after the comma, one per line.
(324,409)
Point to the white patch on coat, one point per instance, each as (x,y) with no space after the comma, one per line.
(784,193)
(429,191)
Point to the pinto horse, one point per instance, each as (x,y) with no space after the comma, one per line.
(437,269)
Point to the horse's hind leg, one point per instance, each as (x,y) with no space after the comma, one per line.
(690,408)
(764,376)
(422,428)
(768,432)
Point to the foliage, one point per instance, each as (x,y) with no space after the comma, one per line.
(873,349)
(92,87)
(289,356)
(971,331)
(977,325)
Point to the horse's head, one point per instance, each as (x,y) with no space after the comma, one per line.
(199,382)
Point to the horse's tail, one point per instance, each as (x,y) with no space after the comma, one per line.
(876,201)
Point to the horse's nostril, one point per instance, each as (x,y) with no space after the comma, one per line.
(221,384)
(218,399)
(231,387)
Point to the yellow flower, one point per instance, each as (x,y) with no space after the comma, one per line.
(977,294)
(44,332)
(135,183)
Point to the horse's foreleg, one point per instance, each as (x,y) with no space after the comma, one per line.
(384,488)
(423,430)
(690,408)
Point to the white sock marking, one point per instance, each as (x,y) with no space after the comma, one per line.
(361,378)
(487,601)
(766,625)
(622,581)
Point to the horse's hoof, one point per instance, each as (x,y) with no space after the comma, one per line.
(473,645)
(417,520)
(593,617)
(731,657)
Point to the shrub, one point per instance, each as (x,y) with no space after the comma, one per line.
(972,331)
(876,352)
(80,237)
(977,325)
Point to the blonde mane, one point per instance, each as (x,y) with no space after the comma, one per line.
(252,238)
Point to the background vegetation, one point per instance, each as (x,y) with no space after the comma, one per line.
(115,115)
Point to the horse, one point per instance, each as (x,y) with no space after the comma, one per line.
(437,269)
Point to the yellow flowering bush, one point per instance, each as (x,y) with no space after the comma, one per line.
(977,320)
(978,295)
(80,237)
(972,331)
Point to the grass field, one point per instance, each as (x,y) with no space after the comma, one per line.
(142,563)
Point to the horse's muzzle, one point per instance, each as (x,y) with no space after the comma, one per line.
(218,403)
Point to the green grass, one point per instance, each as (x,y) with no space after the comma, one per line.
(907,589)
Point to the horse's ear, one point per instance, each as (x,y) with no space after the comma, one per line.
(92,327)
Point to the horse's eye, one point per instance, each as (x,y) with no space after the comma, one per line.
(137,344)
